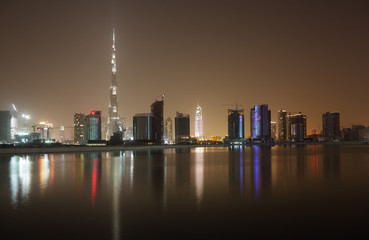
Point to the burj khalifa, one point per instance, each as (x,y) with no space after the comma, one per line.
(113,123)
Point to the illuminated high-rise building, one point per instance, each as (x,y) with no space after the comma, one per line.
(93,126)
(79,127)
(236,126)
(260,122)
(282,125)
(13,123)
(331,126)
(296,124)
(199,127)
(113,123)
(45,129)
(168,130)
(128,133)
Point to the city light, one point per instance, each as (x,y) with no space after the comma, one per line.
(25,116)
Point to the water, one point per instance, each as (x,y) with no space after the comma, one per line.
(192,193)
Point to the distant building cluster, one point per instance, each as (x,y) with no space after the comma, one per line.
(150,128)
(292,127)
(15,127)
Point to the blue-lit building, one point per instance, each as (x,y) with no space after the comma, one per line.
(93,126)
(236,125)
(260,126)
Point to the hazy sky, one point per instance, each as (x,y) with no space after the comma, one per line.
(309,56)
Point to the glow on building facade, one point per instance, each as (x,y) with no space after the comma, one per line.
(13,123)
(168,131)
(282,125)
(236,129)
(296,127)
(199,124)
(260,126)
(93,124)
(79,127)
(113,124)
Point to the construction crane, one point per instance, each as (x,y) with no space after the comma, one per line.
(236,105)
(161,96)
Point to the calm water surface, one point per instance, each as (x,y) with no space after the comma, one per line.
(252,192)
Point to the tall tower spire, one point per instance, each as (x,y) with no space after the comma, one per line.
(114,124)
(113,61)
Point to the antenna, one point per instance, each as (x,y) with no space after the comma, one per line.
(113,35)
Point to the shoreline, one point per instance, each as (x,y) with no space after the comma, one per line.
(71,149)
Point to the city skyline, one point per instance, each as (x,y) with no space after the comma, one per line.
(301,57)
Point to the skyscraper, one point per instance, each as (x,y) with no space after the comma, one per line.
(273,129)
(199,131)
(157,110)
(260,122)
(282,125)
(168,130)
(143,125)
(79,127)
(236,126)
(93,126)
(5,119)
(296,127)
(14,123)
(182,125)
(331,126)
(113,124)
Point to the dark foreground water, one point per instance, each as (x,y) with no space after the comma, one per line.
(199,193)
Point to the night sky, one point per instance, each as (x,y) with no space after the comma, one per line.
(308,56)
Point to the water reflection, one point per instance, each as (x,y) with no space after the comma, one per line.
(314,162)
(44,172)
(237,169)
(160,174)
(78,169)
(261,170)
(132,184)
(199,174)
(332,163)
(250,170)
(117,170)
(20,179)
